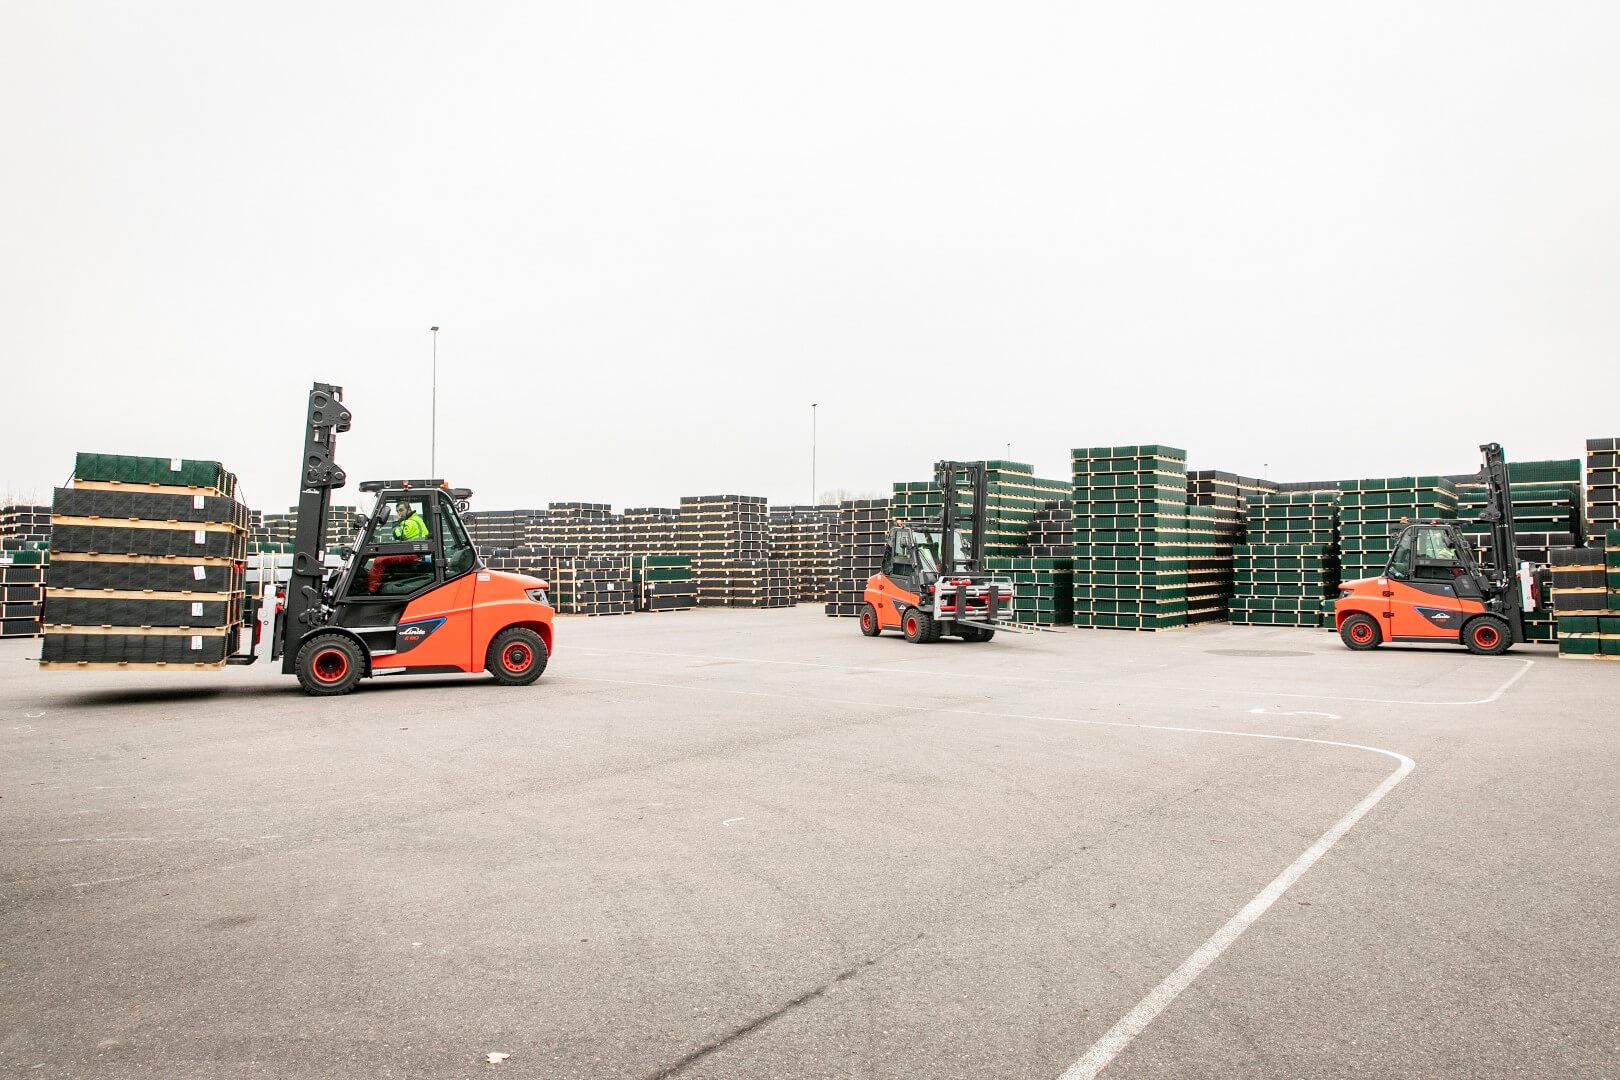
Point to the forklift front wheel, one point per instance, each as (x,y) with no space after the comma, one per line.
(1361,632)
(330,665)
(918,626)
(1487,635)
(516,657)
(869,621)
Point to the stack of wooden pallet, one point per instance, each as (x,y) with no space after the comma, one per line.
(863,525)
(581,581)
(494,531)
(276,533)
(1586,596)
(652,530)
(592,526)
(805,537)
(1130,537)
(663,582)
(1546,517)
(147,564)
(1286,572)
(718,531)
(749,583)
(1372,513)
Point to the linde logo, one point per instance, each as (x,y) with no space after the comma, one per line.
(413,632)
(1441,616)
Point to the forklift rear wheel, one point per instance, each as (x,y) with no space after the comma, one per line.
(329,665)
(1487,635)
(1361,632)
(517,656)
(918,626)
(869,621)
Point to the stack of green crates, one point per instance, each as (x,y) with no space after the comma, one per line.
(663,582)
(1210,538)
(1130,537)
(1287,572)
(1042,588)
(1372,512)
(1013,498)
(168,472)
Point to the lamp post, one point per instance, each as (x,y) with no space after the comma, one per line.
(433,424)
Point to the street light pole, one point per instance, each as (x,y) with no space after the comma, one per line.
(433,426)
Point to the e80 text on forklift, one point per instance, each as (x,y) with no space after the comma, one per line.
(412,595)
(1434,589)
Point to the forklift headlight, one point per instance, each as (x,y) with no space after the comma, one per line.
(538,596)
(1344,594)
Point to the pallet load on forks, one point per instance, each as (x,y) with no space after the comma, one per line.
(151,567)
(147,565)
(1586,597)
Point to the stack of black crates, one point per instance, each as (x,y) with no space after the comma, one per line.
(25,540)
(863,525)
(805,537)
(147,565)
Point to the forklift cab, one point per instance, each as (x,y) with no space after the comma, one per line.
(395,562)
(1436,555)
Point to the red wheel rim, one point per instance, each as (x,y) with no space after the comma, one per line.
(911,625)
(866,620)
(517,657)
(1486,637)
(1360,632)
(329,666)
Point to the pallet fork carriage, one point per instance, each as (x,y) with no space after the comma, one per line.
(932,582)
(1434,589)
(407,599)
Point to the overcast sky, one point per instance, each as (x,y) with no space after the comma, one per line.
(1316,240)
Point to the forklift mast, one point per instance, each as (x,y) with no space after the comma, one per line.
(956,478)
(1498,512)
(320,476)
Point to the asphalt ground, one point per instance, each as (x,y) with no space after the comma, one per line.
(756,844)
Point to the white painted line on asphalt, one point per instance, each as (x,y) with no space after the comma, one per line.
(931,674)
(1300,712)
(1132,1024)
(1118,1037)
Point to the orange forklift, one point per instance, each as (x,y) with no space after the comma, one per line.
(932,581)
(412,596)
(1435,590)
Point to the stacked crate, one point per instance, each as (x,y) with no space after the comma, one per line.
(719,531)
(1586,596)
(652,530)
(1372,513)
(22,591)
(1014,497)
(1286,572)
(1217,504)
(591,526)
(1602,484)
(1546,518)
(1130,537)
(1043,589)
(25,540)
(749,583)
(863,526)
(499,530)
(146,564)
(805,537)
(580,581)
(279,532)
(1051,534)
(663,582)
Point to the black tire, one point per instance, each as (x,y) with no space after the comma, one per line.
(330,665)
(936,631)
(976,634)
(869,621)
(918,626)
(1487,635)
(1361,632)
(517,656)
